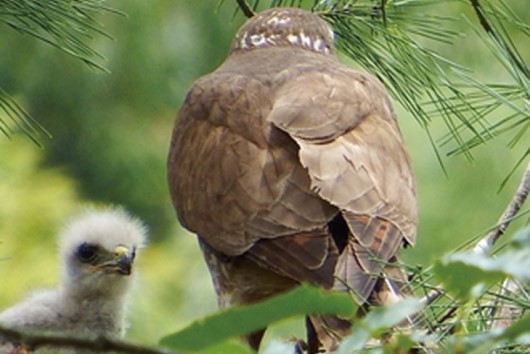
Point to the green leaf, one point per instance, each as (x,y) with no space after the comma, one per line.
(473,343)
(277,347)
(246,319)
(521,239)
(483,342)
(519,328)
(462,272)
(228,347)
(379,319)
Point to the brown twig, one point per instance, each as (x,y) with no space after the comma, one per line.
(487,242)
(481,15)
(247,11)
(99,344)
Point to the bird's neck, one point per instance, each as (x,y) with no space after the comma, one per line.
(111,295)
(100,313)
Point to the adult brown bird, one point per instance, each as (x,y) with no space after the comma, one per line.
(290,167)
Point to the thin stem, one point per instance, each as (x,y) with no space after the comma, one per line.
(487,242)
(247,11)
(99,344)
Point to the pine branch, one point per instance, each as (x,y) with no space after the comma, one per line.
(247,11)
(33,341)
(486,243)
(484,99)
(384,40)
(20,118)
(479,11)
(65,24)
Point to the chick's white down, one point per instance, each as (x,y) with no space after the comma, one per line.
(96,253)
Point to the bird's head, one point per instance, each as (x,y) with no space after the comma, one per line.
(279,27)
(98,250)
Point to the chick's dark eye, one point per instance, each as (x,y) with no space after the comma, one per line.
(87,252)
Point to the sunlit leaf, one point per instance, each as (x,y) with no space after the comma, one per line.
(246,319)
(521,239)
(228,347)
(379,319)
(462,271)
(277,347)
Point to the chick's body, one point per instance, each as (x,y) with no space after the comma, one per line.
(97,251)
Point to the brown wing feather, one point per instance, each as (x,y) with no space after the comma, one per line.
(306,257)
(357,162)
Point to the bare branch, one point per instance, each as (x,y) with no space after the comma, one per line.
(487,242)
(101,344)
(247,11)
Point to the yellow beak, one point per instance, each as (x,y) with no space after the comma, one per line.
(121,262)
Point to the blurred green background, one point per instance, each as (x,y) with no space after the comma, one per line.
(111,134)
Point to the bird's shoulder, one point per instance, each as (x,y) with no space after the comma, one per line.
(230,103)
(40,309)
(350,143)
(322,103)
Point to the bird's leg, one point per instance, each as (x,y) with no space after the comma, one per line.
(326,333)
(254,339)
(312,338)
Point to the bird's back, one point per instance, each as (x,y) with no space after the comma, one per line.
(229,166)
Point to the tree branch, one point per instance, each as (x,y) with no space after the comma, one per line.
(487,242)
(101,344)
(482,19)
(247,11)
(479,11)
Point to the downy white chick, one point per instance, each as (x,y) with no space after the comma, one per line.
(97,252)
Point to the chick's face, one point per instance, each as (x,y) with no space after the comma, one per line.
(98,251)
(97,259)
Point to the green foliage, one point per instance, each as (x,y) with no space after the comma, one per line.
(35,202)
(19,117)
(228,347)
(65,24)
(246,319)
(462,272)
(460,275)
(111,131)
(378,322)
